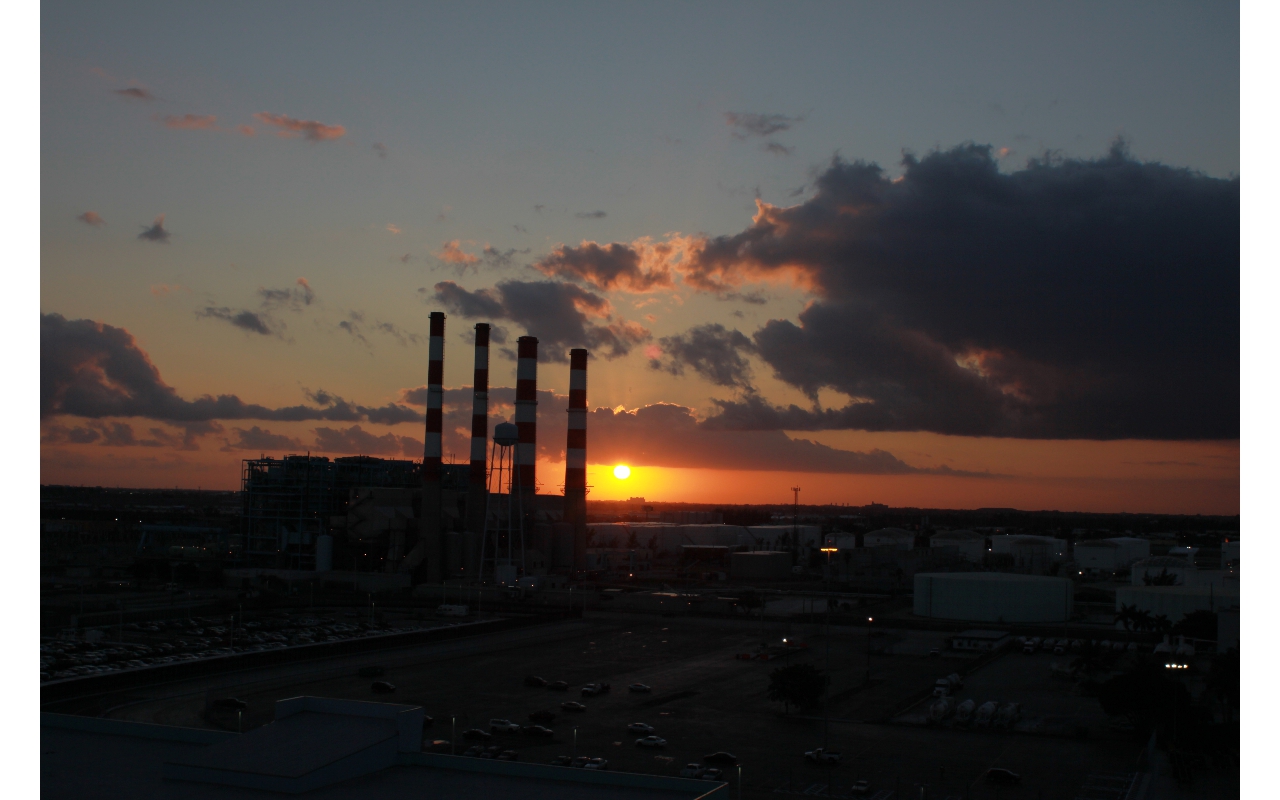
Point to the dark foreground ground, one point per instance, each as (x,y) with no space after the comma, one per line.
(703,700)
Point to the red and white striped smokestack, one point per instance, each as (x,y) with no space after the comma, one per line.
(575,464)
(429,522)
(476,487)
(527,419)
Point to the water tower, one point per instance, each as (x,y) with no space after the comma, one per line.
(505,524)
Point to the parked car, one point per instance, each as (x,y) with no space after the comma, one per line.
(860,787)
(821,756)
(721,758)
(559,686)
(640,688)
(597,763)
(382,687)
(639,727)
(476,733)
(561,761)
(537,730)
(711,774)
(934,652)
(508,755)
(593,689)
(691,770)
(534,680)
(651,741)
(503,726)
(474,751)
(572,706)
(1001,777)
(580,761)
(428,720)
(437,746)
(543,716)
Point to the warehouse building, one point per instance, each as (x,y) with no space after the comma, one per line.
(760,565)
(896,538)
(1175,602)
(970,545)
(992,597)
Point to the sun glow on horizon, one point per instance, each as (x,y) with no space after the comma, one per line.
(622,472)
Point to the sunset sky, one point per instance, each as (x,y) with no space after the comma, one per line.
(932,254)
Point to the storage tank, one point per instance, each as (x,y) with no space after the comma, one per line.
(896,538)
(992,597)
(971,545)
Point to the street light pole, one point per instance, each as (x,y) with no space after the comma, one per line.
(575,742)
(868,678)
(453,735)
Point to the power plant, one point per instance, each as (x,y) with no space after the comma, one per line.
(434,521)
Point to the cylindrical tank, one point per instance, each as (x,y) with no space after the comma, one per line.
(324,552)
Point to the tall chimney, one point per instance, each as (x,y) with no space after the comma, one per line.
(575,464)
(429,518)
(527,422)
(476,483)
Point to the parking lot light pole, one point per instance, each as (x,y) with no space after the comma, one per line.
(575,742)
(868,679)
(453,735)
(739,782)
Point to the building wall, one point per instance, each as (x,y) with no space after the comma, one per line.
(762,565)
(1175,602)
(971,550)
(992,597)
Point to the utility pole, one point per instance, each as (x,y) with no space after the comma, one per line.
(867,682)
(795,519)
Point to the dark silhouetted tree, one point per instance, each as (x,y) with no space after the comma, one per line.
(800,685)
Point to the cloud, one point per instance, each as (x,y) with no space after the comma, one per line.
(561,315)
(94,370)
(191,122)
(591,215)
(256,438)
(308,129)
(406,258)
(165,289)
(520,229)
(777,149)
(641,266)
(136,93)
(251,321)
(114,433)
(452,253)
(355,326)
(392,228)
(711,350)
(155,233)
(746,125)
(92,218)
(1093,299)
(246,130)
(358,441)
(294,298)
(380,149)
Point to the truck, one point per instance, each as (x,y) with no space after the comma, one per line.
(1008,714)
(941,708)
(982,717)
(964,711)
(948,685)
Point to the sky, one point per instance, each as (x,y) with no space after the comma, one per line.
(930,254)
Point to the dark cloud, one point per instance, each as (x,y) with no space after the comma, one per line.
(293,298)
(114,433)
(356,440)
(92,218)
(614,266)
(591,215)
(561,315)
(1093,299)
(251,321)
(520,229)
(93,370)
(712,351)
(746,125)
(156,232)
(356,326)
(263,441)
(135,93)
(777,149)
(380,149)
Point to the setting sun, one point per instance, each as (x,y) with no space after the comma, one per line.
(622,472)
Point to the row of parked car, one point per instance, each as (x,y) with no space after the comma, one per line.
(1058,647)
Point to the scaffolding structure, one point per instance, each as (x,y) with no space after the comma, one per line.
(289,502)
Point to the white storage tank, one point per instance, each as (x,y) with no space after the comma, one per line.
(1161,568)
(896,538)
(972,545)
(1109,555)
(992,597)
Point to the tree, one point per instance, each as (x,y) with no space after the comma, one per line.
(1127,616)
(632,542)
(800,685)
(1163,579)
(1198,625)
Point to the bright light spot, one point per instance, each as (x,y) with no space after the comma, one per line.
(622,472)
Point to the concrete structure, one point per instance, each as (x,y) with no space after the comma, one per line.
(779,536)
(992,597)
(980,640)
(477,492)
(1010,542)
(1231,556)
(1175,602)
(1110,555)
(897,538)
(971,546)
(760,565)
(575,465)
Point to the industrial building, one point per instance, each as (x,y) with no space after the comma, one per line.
(760,565)
(969,545)
(1032,555)
(1111,555)
(896,538)
(1175,602)
(992,597)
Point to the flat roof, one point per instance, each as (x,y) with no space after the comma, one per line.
(982,634)
(989,577)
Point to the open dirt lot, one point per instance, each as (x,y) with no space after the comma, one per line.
(703,700)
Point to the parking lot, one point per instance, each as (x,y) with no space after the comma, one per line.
(703,700)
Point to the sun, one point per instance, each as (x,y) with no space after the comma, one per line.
(622,472)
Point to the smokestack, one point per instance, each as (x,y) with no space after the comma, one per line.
(575,465)
(527,421)
(476,484)
(429,519)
